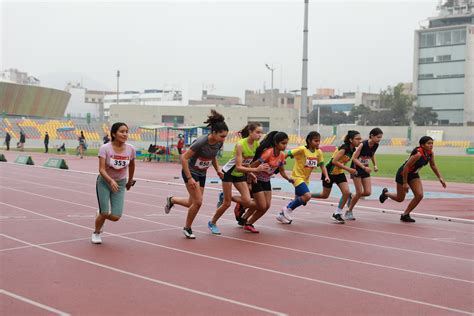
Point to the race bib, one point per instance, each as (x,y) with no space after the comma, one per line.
(247,161)
(119,162)
(202,163)
(364,161)
(311,162)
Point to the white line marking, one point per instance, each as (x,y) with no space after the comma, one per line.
(238,264)
(139,276)
(37,304)
(375,209)
(307,234)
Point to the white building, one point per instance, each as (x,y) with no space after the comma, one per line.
(443,75)
(77,106)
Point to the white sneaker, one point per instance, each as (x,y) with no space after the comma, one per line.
(287,213)
(282,219)
(95,239)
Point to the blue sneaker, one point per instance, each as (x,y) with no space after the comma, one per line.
(220,200)
(213,228)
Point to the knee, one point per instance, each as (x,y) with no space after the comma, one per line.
(367,193)
(198,202)
(418,196)
(245,201)
(324,195)
(346,193)
(113,218)
(226,204)
(306,197)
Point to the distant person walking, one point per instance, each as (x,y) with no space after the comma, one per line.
(7,140)
(22,141)
(82,144)
(46,142)
(180,144)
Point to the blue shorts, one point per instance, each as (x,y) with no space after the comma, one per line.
(301,189)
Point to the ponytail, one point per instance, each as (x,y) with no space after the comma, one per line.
(350,135)
(250,127)
(216,122)
(270,140)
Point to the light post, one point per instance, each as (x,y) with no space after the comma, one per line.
(299,112)
(118,78)
(271,69)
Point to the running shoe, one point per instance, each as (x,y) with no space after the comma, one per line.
(287,213)
(349,216)
(383,197)
(242,221)
(282,219)
(337,218)
(406,218)
(250,229)
(220,200)
(188,232)
(95,238)
(213,228)
(169,204)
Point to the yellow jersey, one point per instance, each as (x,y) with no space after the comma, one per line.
(305,161)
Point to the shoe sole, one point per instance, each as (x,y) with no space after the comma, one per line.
(283,222)
(337,222)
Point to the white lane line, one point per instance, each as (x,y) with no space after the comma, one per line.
(368,208)
(34,303)
(258,268)
(143,277)
(307,234)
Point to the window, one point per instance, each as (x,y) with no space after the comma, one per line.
(441,58)
(291,100)
(282,101)
(178,119)
(426,60)
(425,76)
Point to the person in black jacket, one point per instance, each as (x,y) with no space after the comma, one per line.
(7,140)
(46,142)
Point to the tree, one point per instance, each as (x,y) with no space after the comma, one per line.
(327,117)
(359,114)
(424,116)
(399,103)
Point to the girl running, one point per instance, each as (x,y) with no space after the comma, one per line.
(114,160)
(235,172)
(271,152)
(360,161)
(407,176)
(195,162)
(306,159)
(335,168)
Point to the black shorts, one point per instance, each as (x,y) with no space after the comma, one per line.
(197,178)
(180,150)
(337,178)
(261,186)
(360,174)
(228,177)
(411,176)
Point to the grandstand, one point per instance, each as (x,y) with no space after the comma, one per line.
(36,129)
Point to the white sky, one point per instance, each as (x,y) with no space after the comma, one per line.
(352,44)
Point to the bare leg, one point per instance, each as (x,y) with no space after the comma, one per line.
(227,189)
(417,189)
(399,196)
(261,201)
(196,202)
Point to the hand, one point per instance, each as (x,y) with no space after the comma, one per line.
(443,183)
(114,186)
(367,169)
(263,167)
(327,179)
(252,178)
(129,184)
(192,183)
(376,168)
(290,180)
(405,187)
(353,171)
(220,174)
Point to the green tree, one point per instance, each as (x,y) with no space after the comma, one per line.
(399,104)
(424,116)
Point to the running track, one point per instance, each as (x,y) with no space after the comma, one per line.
(375,265)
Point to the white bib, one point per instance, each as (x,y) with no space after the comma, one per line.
(202,163)
(247,161)
(311,162)
(364,161)
(119,162)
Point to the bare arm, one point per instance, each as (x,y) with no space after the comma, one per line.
(355,157)
(131,172)
(325,173)
(436,171)
(185,163)
(113,185)
(238,162)
(284,175)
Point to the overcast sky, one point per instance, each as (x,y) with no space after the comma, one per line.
(225,44)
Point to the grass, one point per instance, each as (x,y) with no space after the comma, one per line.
(452,168)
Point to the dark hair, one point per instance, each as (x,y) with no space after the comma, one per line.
(216,122)
(375,131)
(350,135)
(311,136)
(250,127)
(424,140)
(115,127)
(270,140)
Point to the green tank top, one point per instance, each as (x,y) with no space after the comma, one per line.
(247,156)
